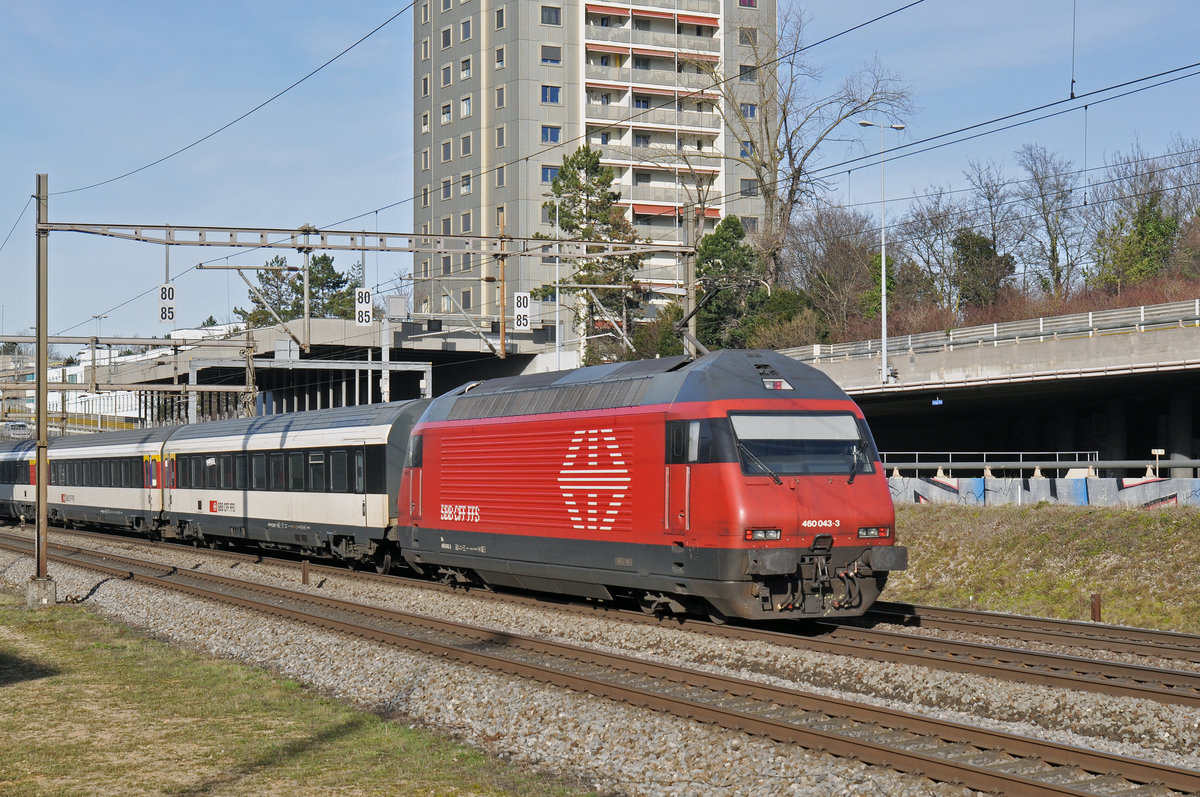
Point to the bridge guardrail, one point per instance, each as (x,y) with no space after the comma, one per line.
(1138,319)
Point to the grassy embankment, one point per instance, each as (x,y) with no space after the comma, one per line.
(91,708)
(1048,560)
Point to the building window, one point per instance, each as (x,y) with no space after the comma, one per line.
(747,149)
(641,178)
(603,22)
(447,263)
(605,99)
(551,15)
(425,160)
(641,62)
(749,187)
(424,12)
(464,107)
(464,221)
(748,3)
(747,73)
(499,176)
(748,36)
(641,101)
(425,196)
(466,300)
(464,146)
(464,187)
(424,268)
(749,223)
(446,114)
(549,173)
(550,134)
(499,215)
(641,140)
(447,76)
(640,23)
(499,18)
(424,85)
(447,154)
(425,49)
(445,38)
(749,110)
(604,60)
(464,30)
(499,57)
(464,262)
(499,96)
(500,135)
(464,69)
(604,138)
(425,122)
(446,226)
(551,54)
(447,190)
(446,4)
(550,94)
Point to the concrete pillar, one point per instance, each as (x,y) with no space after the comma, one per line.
(1179,432)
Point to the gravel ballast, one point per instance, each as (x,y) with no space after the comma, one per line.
(613,748)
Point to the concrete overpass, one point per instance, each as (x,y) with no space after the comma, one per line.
(1120,382)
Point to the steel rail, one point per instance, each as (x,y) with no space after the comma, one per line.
(1080,771)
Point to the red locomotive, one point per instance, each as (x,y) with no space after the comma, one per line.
(740,484)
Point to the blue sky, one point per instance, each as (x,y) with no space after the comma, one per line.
(89,91)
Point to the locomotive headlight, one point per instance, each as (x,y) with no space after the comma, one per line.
(874,532)
(763,534)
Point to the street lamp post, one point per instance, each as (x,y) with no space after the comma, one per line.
(884,374)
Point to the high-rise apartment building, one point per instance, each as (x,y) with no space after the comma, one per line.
(503,90)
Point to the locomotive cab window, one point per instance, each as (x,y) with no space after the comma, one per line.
(827,443)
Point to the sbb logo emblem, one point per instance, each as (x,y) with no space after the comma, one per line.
(212,506)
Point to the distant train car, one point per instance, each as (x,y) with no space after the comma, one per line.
(740,484)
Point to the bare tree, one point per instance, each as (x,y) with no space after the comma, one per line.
(998,216)
(1057,238)
(775,105)
(927,233)
(830,254)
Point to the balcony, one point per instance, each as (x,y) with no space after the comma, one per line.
(643,38)
(684,81)
(712,7)
(667,117)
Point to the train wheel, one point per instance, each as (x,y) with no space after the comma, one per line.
(383,560)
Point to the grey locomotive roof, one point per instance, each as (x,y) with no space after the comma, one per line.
(726,374)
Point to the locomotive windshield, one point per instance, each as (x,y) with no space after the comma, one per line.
(803,443)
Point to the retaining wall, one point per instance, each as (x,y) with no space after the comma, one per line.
(1145,492)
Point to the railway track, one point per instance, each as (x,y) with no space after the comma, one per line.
(1113,678)
(1069,633)
(942,750)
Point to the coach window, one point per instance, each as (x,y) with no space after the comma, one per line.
(239,472)
(339,472)
(258,472)
(277,477)
(359,469)
(124,473)
(196,463)
(183,475)
(316,471)
(226,462)
(106,473)
(212,475)
(295,467)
